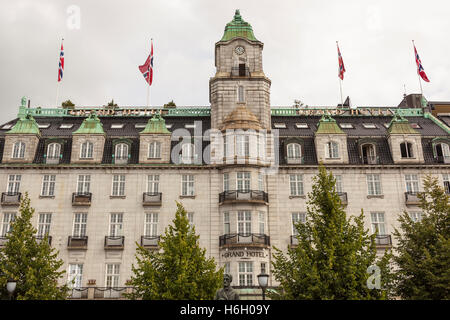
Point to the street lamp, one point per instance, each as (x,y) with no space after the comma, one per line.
(11,287)
(263,280)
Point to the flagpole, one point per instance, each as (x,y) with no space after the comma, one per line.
(418,75)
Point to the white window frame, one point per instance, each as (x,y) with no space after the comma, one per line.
(79,224)
(154,150)
(75,272)
(187,153)
(83,183)
(243,181)
(374,184)
(54,150)
(262,222)
(378,221)
(244,222)
(226,182)
(118,185)
(48,185)
(226,223)
(242,145)
(190,217)
(112,275)
(446,182)
(408,155)
(412,183)
(115,224)
(44,223)
(187,185)
(14,183)
(294,151)
(18,151)
(295,218)
(415,216)
(153,183)
(8,218)
(121,151)
(332,150)
(151,224)
(87,150)
(296,184)
(245,273)
(339,185)
(241,94)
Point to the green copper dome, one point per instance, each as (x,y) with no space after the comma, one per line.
(156,124)
(238,28)
(91,125)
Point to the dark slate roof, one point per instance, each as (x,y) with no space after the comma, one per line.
(309,150)
(382,150)
(66,150)
(108,151)
(445,119)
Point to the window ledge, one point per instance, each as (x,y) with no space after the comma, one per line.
(380,196)
(117,197)
(299,196)
(188,197)
(148,158)
(86,159)
(43,197)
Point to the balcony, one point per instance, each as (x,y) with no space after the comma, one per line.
(11,198)
(382,241)
(152,198)
(111,292)
(299,160)
(370,159)
(411,198)
(52,160)
(150,242)
(78,293)
(240,72)
(81,198)
(244,240)
(3,241)
(40,238)
(115,243)
(343,196)
(77,243)
(254,196)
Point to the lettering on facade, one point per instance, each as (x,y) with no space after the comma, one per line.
(244,254)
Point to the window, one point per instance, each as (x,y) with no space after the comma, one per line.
(262,222)
(153,183)
(190,216)
(151,225)
(53,151)
(332,150)
(115,224)
(75,275)
(296,218)
(84,184)
(294,151)
(226,223)
(369,125)
(8,217)
(412,183)
(18,150)
(263,267)
(415,216)
(79,225)
(245,273)
(446,178)
(140,125)
(112,275)
(66,126)
(241,97)
(242,145)
(86,151)
(226,182)
(44,222)
(187,153)
(154,150)
(243,181)
(296,183)
(378,223)
(14,183)
(346,126)
(118,187)
(301,125)
(227,268)
(368,153)
(48,185)
(187,185)
(374,184)
(117,126)
(242,70)
(189,125)
(406,150)
(7,126)
(442,151)
(279,125)
(260,182)
(244,222)
(121,152)
(339,188)
(43,125)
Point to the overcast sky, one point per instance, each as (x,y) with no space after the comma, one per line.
(300,56)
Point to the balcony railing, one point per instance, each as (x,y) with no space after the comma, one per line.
(11,198)
(246,196)
(343,196)
(114,242)
(78,293)
(443,159)
(152,198)
(244,239)
(3,241)
(149,241)
(412,198)
(383,240)
(371,159)
(299,160)
(244,72)
(111,292)
(81,198)
(40,238)
(77,242)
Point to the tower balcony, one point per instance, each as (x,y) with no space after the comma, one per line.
(249,196)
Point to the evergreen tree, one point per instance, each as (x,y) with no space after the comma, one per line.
(333,254)
(423,250)
(34,265)
(68,104)
(179,270)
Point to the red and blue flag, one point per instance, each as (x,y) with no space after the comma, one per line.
(61,63)
(420,69)
(147,68)
(341,64)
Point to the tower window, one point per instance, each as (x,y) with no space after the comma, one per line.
(242,70)
(241,94)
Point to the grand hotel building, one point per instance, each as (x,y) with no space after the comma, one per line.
(102,179)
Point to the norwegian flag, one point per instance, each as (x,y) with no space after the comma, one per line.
(147,68)
(61,63)
(420,69)
(341,64)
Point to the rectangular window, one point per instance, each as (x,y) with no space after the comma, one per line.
(79,225)
(48,185)
(296,218)
(244,222)
(18,150)
(262,222)
(296,183)
(378,223)
(14,183)
(227,268)
(332,150)
(243,145)
(151,225)
(75,275)
(263,268)
(226,182)
(118,188)
(226,223)
(338,183)
(116,224)
(412,183)
(187,185)
(86,150)
(44,222)
(154,150)
(374,184)
(8,217)
(241,94)
(446,178)
(260,182)
(84,184)
(243,181)
(153,183)
(112,275)
(190,216)
(415,216)
(245,273)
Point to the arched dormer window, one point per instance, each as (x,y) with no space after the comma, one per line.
(121,153)
(87,150)
(18,150)
(294,151)
(369,154)
(332,150)
(406,150)
(154,150)
(442,151)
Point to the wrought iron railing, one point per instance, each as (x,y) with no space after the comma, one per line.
(81,198)
(114,242)
(383,240)
(412,198)
(11,198)
(343,196)
(40,238)
(250,195)
(78,293)
(244,239)
(152,198)
(150,241)
(111,292)
(77,242)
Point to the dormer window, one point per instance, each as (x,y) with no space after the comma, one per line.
(369,125)
(66,126)
(346,126)
(406,150)
(279,125)
(332,150)
(43,125)
(187,153)
(53,153)
(443,152)
(117,126)
(7,126)
(87,150)
(154,150)
(121,153)
(18,150)
(294,151)
(368,154)
(301,125)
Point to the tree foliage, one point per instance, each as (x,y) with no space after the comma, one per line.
(179,270)
(333,253)
(423,251)
(170,104)
(68,104)
(33,265)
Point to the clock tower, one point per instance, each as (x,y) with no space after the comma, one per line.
(239,79)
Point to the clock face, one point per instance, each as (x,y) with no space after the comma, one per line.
(239,50)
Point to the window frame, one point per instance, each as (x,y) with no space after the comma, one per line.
(48,185)
(18,151)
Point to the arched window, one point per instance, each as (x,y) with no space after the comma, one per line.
(18,150)
(443,150)
(187,152)
(368,153)
(53,151)
(331,150)
(294,151)
(121,152)
(154,150)
(87,150)
(406,150)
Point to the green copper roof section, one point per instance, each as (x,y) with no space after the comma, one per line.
(442,125)
(400,125)
(25,125)
(327,125)
(91,125)
(156,124)
(238,28)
